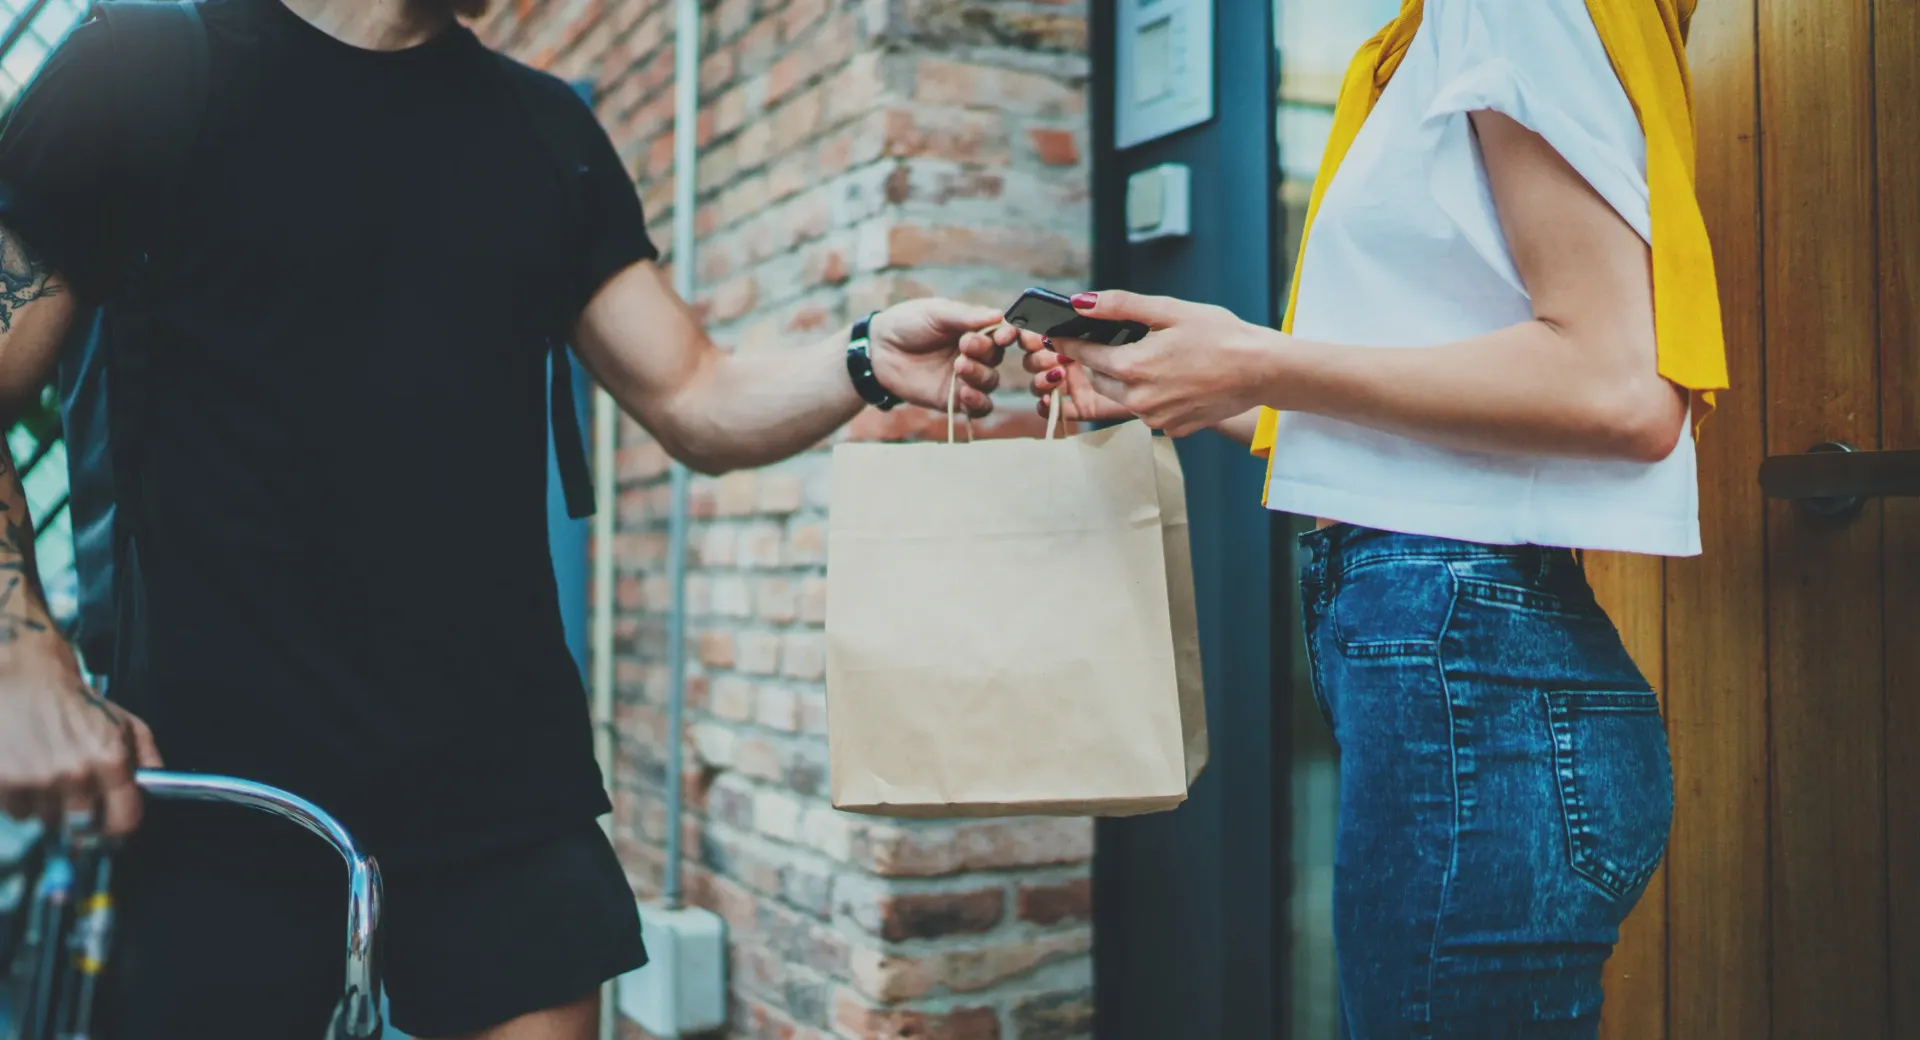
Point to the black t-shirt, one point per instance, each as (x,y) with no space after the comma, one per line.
(347,589)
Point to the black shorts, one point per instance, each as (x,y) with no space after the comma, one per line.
(213,942)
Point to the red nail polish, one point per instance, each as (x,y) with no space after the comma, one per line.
(1085,301)
(1055,376)
(1047,343)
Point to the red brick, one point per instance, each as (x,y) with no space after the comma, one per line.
(809,319)
(890,978)
(644,460)
(813,601)
(798,15)
(953,134)
(934,915)
(862,1021)
(760,545)
(1054,147)
(716,69)
(715,547)
(942,81)
(716,649)
(758,43)
(1054,1016)
(734,904)
(974,970)
(803,656)
(727,596)
(910,245)
(832,268)
(982,845)
(733,299)
(775,602)
(730,17)
(780,494)
(732,805)
(778,708)
(758,758)
(788,176)
(806,769)
(626,593)
(1052,904)
(798,119)
(813,713)
(758,653)
(733,698)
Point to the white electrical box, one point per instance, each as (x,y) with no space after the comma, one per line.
(682,989)
(1159,202)
(1164,68)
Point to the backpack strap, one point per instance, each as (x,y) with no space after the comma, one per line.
(569,444)
(160,50)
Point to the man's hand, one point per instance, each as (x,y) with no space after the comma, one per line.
(919,345)
(64,749)
(1052,370)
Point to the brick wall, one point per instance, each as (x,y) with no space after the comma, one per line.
(853,153)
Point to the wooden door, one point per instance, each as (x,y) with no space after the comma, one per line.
(1789,653)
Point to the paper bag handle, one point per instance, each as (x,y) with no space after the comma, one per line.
(953,393)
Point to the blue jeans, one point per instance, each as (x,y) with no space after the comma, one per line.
(1505,790)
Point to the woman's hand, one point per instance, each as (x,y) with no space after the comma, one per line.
(1198,365)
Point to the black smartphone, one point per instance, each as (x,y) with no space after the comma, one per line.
(1052,315)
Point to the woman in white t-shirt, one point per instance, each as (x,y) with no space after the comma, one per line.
(1476,383)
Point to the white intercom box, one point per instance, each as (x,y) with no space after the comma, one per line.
(1159,202)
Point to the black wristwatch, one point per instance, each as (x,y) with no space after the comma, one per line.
(860,367)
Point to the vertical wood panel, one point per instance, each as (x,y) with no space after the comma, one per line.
(1636,979)
(1718,906)
(1826,674)
(1897,104)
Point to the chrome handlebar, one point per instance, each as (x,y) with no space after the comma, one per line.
(358,1015)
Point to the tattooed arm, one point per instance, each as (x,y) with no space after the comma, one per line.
(62,747)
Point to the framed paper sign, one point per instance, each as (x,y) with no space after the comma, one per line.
(1165,68)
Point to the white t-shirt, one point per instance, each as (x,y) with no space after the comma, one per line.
(1407,251)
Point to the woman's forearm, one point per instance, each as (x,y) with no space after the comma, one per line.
(1529,388)
(1240,428)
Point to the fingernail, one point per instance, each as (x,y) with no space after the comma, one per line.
(1084,301)
(1047,343)
(1055,376)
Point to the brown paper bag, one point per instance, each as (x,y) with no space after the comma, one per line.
(1010,628)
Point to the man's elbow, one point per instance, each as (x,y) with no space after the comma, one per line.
(708,457)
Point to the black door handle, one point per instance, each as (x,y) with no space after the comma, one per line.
(1834,479)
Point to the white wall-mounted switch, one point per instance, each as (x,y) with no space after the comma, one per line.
(1159,202)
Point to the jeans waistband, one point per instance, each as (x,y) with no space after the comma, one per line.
(1341,547)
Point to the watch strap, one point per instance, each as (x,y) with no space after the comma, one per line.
(860,366)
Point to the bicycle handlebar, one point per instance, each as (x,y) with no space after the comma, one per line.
(358,1015)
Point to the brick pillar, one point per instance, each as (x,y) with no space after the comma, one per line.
(852,154)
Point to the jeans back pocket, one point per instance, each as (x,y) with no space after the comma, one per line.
(1616,784)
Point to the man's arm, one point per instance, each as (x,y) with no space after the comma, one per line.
(62,748)
(717,411)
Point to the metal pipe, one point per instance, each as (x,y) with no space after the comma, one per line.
(605,444)
(686,111)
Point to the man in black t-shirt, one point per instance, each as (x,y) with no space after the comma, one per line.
(340,583)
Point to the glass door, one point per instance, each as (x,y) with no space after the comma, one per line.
(1314,40)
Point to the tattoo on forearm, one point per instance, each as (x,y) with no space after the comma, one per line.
(24,278)
(22,593)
